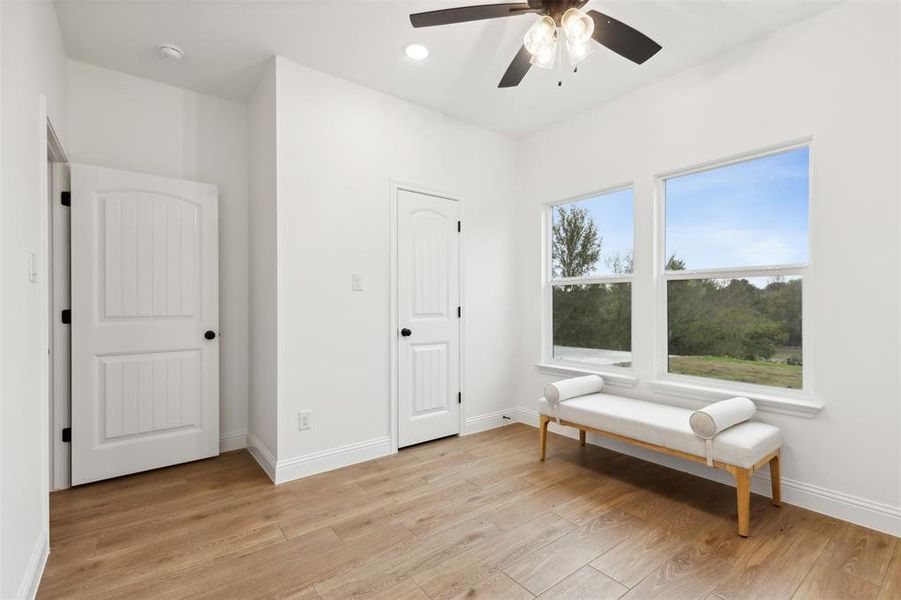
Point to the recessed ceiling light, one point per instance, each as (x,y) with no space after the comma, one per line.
(416,51)
(171,52)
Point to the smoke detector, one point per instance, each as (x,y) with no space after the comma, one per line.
(171,52)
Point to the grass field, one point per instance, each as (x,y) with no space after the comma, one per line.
(734,369)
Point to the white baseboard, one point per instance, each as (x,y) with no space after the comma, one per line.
(234,440)
(28,588)
(867,513)
(489,421)
(875,515)
(262,454)
(333,458)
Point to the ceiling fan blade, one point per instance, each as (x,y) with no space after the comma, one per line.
(469,13)
(622,39)
(517,69)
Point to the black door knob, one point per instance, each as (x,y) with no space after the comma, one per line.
(210,335)
(406,332)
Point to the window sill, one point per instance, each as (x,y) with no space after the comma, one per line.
(791,403)
(613,378)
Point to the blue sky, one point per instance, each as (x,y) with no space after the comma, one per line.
(749,213)
(746,214)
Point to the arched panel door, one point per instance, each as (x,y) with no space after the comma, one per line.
(428,295)
(145,311)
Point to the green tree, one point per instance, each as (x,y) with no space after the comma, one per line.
(620,263)
(576,242)
(783,305)
(675,264)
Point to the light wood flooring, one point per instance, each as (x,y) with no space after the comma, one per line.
(472,517)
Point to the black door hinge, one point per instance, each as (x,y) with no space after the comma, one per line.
(459,227)
(459,397)
(66,317)
(67,434)
(459,312)
(65,198)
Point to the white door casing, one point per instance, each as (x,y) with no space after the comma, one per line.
(60,332)
(428,298)
(145,380)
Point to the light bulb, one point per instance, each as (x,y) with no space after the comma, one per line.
(540,36)
(577,26)
(577,52)
(546,56)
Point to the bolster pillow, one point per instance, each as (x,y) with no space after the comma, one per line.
(718,416)
(570,388)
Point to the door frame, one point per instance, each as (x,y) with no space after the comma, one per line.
(395,187)
(58,368)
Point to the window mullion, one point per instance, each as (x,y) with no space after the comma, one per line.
(738,272)
(590,280)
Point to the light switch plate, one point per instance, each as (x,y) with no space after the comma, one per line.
(358,282)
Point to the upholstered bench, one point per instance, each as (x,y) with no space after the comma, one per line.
(720,435)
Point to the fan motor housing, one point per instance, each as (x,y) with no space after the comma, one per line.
(554,8)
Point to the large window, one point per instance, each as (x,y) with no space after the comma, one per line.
(590,275)
(736,255)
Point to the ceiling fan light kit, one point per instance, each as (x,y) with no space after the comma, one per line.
(541,43)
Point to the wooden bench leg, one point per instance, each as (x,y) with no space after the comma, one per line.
(743,498)
(543,421)
(776,478)
(582,433)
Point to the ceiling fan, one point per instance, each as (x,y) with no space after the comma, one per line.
(542,43)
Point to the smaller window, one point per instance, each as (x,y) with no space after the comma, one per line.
(736,256)
(590,276)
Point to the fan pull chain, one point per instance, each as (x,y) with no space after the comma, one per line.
(559,65)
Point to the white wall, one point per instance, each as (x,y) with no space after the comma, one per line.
(125,122)
(263,263)
(799,82)
(33,63)
(339,147)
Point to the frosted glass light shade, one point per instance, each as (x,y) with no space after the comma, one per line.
(577,52)
(577,26)
(546,57)
(540,36)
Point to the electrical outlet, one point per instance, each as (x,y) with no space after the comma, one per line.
(304,420)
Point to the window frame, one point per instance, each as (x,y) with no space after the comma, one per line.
(622,376)
(693,384)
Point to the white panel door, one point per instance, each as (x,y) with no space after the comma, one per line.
(145,319)
(428,297)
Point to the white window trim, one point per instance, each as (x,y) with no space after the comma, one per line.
(773,398)
(620,376)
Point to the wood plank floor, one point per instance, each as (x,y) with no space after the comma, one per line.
(473,517)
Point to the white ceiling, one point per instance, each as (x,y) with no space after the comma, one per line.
(227,44)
